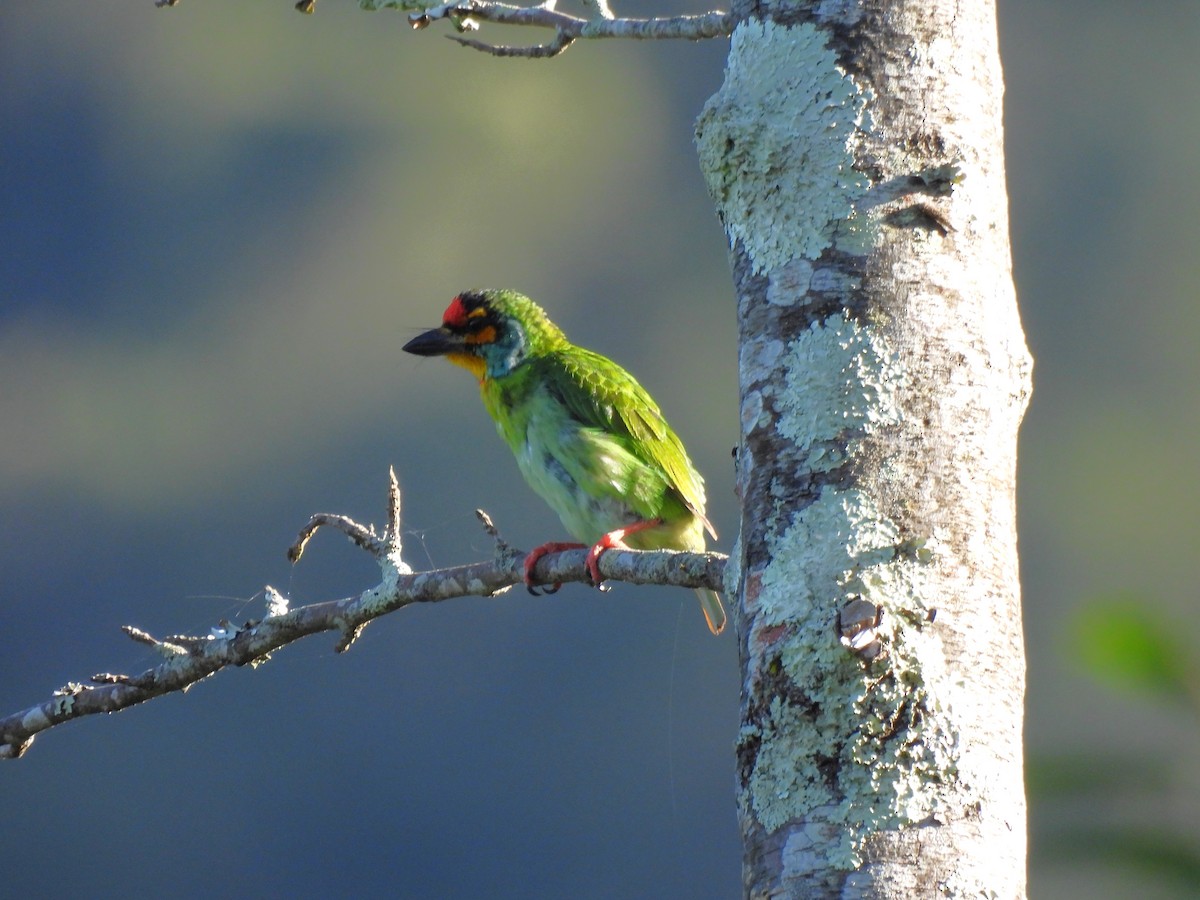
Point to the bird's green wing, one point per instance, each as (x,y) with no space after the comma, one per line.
(600,394)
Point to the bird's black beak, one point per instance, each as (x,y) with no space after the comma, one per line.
(435,342)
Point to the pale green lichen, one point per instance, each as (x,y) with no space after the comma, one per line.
(842,381)
(891,769)
(786,776)
(776,145)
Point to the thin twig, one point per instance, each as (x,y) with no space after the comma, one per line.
(393,527)
(363,535)
(537,51)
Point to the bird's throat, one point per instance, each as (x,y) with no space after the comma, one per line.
(469,361)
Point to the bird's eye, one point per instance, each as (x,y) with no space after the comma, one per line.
(475,324)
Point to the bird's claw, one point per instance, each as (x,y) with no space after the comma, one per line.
(592,564)
(593,569)
(614,540)
(531,561)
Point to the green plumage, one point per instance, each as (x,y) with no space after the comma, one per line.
(587,437)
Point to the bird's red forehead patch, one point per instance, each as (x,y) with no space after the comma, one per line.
(455,315)
(461,311)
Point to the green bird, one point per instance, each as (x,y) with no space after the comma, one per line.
(587,437)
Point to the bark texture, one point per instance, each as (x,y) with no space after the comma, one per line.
(854,153)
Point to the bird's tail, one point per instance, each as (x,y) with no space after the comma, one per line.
(714,612)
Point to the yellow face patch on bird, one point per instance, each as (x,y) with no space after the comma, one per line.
(469,361)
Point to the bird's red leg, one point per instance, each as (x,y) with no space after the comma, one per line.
(537,553)
(614,540)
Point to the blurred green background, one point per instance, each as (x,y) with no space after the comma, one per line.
(218,224)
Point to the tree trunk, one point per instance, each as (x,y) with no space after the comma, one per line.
(854,154)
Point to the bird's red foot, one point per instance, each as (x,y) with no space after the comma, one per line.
(614,540)
(532,560)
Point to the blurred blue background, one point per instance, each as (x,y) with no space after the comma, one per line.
(219,223)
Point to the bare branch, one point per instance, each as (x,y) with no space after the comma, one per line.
(393,526)
(538,51)
(567,28)
(190,659)
(467,14)
(362,535)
